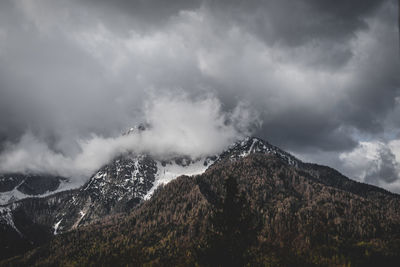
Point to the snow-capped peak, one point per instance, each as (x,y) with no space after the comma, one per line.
(251,145)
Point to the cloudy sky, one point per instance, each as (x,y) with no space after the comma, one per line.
(318,78)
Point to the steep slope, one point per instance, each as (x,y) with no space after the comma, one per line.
(294,218)
(28,223)
(117,187)
(120,186)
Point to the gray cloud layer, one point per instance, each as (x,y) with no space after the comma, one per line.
(322,75)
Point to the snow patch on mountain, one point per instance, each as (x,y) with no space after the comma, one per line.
(56,225)
(11,196)
(166,172)
(7,219)
(15,195)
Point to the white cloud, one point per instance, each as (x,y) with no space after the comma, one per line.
(374,162)
(178,126)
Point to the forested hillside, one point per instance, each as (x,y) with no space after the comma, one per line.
(258,211)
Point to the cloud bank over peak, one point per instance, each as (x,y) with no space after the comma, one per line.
(178,126)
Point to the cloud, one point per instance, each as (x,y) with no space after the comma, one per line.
(375,163)
(389,168)
(177,126)
(321,79)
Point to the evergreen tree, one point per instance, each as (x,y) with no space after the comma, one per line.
(233,229)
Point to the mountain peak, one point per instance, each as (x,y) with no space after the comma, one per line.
(137,129)
(251,145)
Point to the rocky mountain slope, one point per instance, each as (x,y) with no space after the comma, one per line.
(260,210)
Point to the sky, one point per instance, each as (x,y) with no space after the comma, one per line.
(317,78)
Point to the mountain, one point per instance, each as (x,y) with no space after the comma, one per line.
(257,210)
(303,205)
(117,187)
(128,180)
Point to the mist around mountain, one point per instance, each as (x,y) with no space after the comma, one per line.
(255,205)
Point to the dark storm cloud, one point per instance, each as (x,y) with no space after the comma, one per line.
(145,13)
(373,93)
(279,20)
(321,75)
(295,23)
(295,128)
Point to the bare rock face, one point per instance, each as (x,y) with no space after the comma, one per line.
(115,188)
